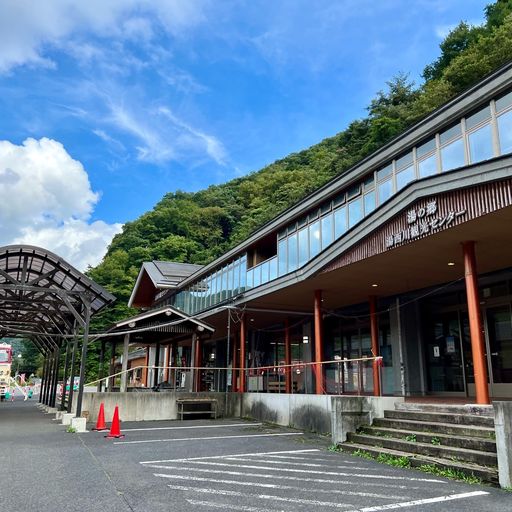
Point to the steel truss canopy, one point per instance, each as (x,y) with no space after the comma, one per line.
(43,297)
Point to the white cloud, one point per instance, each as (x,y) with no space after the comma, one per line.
(28,28)
(46,200)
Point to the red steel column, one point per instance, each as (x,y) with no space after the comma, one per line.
(198,362)
(374,329)
(146,364)
(287,357)
(319,343)
(234,365)
(475,324)
(241,388)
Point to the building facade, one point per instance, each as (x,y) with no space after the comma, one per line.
(407,256)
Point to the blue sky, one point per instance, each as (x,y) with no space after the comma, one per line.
(122,100)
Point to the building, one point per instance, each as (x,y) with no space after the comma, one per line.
(406,256)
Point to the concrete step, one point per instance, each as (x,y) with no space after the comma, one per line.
(458,419)
(487,474)
(457,441)
(439,451)
(435,427)
(472,409)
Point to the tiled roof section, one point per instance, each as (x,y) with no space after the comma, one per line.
(167,274)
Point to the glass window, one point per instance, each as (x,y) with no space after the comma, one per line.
(385,190)
(292,253)
(452,155)
(425,148)
(385,172)
(354,191)
(504,102)
(292,228)
(303,246)
(303,221)
(404,177)
(428,166)
(314,239)
(369,202)
(340,221)
(480,144)
(325,208)
(339,199)
(327,233)
(229,281)
(478,117)
(265,267)
(224,284)
(369,182)
(450,133)
(273,268)
(243,273)
(404,160)
(505,129)
(281,234)
(256,276)
(355,212)
(250,278)
(282,257)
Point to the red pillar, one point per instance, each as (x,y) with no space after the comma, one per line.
(319,343)
(287,357)
(234,365)
(198,362)
(166,364)
(374,330)
(475,324)
(242,355)
(146,364)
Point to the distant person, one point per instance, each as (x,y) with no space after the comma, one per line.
(30,392)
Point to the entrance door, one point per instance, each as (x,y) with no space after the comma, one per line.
(499,347)
(444,354)
(357,375)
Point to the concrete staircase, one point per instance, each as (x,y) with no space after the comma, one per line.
(446,436)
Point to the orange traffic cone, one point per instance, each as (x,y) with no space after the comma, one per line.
(115,428)
(100,423)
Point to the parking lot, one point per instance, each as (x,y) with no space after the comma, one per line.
(211,465)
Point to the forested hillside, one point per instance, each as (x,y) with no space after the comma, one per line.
(198,227)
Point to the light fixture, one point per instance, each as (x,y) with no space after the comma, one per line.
(305,339)
(168,312)
(200,328)
(252,319)
(132,324)
(451,264)
(374,285)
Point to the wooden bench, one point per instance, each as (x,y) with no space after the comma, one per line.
(188,406)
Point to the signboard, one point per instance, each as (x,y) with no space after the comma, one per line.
(423,221)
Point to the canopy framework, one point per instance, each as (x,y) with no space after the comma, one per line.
(45,299)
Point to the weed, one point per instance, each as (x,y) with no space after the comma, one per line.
(363,454)
(436,441)
(334,448)
(455,474)
(391,460)
(411,438)
(71,430)
(492,435)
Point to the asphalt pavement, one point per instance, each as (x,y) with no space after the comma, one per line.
(208,465)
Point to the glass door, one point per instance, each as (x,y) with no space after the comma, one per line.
(499,348)
(444,354)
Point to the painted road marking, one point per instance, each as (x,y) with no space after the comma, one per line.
(285,477)
(233,455)
(241,508)
(451,497)
(207,490)
(280,487)
(425,501)
(314,459)
(206,438)
(192,426)
(263,461)
(315,472)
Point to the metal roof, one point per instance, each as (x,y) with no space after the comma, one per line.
(41,294)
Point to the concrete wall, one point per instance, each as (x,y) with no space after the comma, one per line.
(151,406)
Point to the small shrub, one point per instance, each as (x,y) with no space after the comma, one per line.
(71,430)
(411,438)
(436,441)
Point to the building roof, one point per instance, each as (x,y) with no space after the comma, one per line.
(158,275)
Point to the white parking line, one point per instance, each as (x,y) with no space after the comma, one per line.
(241,508)
(207,490)
(284,477)
(314,472)
(266,461)
(232,455)
(280,487)
(425,501)
(314,459)
(142,441)
(192,426)
(451,497)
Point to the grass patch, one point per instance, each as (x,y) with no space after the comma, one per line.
(334,448)
(391,460)
(411,438)
(71,430)
(363,454)
(454,474)
(435,441)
